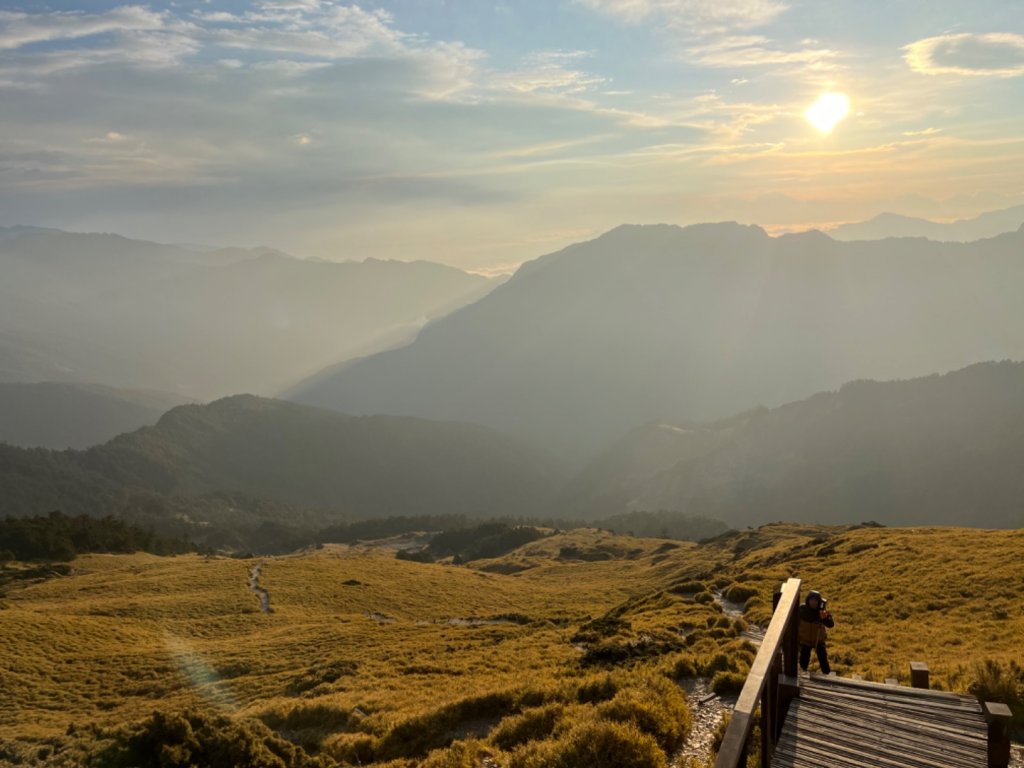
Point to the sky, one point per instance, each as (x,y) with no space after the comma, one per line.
(482,134)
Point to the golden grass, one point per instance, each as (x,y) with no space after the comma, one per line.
(358,654)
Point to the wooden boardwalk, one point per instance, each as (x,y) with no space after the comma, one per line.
(842,723)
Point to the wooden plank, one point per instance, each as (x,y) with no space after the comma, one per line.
(842,724)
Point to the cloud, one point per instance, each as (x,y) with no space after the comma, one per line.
(753,51)
(315,30)
(549,72)
(997,54)
(20,29)
(697,15)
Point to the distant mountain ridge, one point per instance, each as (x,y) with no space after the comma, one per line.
(661,323)
(63,415)
(362,467)
(885,225)
(203,323)
(937,450)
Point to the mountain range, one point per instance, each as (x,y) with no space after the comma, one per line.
(288,455)
(990,224)
(661,323)
(937,450)
(203,323)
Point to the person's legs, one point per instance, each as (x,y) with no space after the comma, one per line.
(823,658)
(805,656)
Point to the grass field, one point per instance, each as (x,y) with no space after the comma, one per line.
(522,661)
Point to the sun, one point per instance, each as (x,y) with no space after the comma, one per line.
(827,111)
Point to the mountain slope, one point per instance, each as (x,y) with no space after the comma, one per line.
(886,225)
(662,323)
(939,450)
(290,454)
(60,415)
(204,323)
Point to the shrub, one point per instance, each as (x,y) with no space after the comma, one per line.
(606,626)
(687,588)
(739,593)
(717,663)
(352,748)
(594,744)
(597,689)
(419,735)
(727,682)
(197,739)
(658,708)
(462,754)
(684,667)
(1003,683)
(532,725)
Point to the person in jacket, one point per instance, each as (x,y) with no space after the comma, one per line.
(815,621)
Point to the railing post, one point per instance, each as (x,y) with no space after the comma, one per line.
(998,717)
(791,642)
(919,674)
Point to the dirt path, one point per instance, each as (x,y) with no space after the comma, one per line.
(256,589)
(708,708)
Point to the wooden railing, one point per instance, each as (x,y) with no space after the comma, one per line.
(771,684)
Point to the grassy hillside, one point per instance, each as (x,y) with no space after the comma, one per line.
(568,641)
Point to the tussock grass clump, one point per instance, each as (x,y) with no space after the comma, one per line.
(603,627)
(192,738)
(319,716)
(1004,683)
(597,689)
(657,707)
(725,682)
(531,725)
(739,593)
(462,754)
(688,587)
(595,744)
(322,674)
(419,735)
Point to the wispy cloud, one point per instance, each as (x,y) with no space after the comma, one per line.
(18,29)
(548,71)
(997,54)
(711,16)
(755,51)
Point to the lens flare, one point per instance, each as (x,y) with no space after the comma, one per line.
(825,113)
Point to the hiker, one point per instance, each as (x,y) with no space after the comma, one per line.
(815,621)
